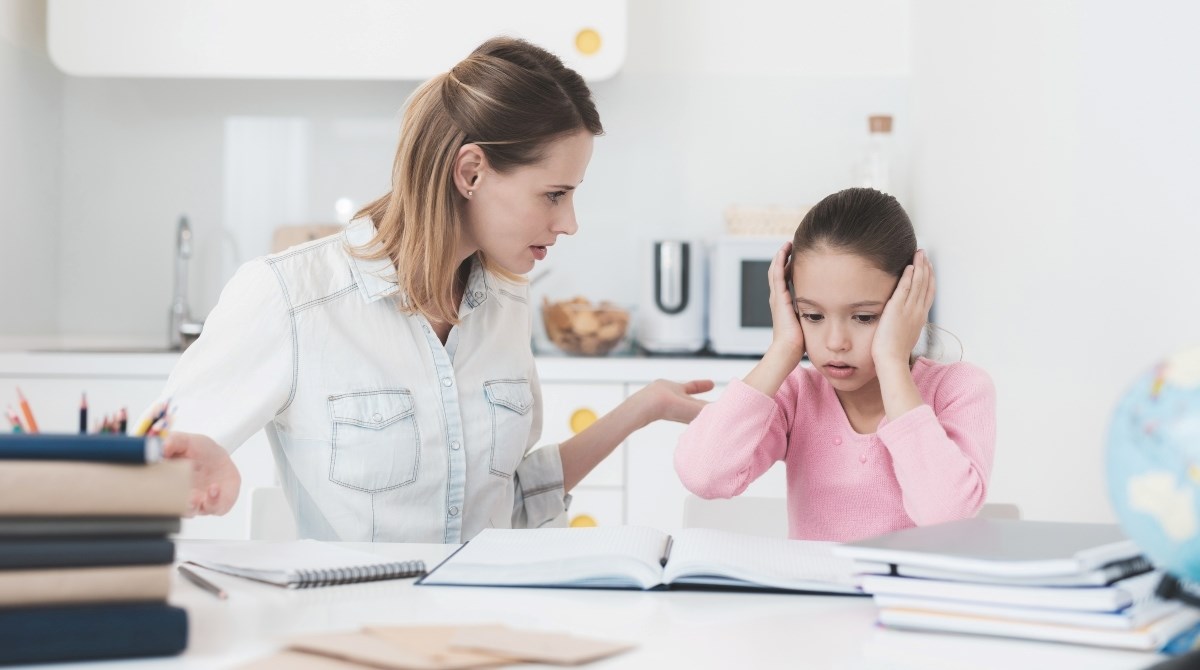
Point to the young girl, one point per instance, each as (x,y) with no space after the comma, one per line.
(874,440)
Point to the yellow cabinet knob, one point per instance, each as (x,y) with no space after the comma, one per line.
(587,41)
(581,419)
(583,521)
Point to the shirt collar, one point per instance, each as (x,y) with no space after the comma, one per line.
(376,278)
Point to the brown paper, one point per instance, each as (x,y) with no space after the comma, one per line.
(537,647)
(435,641)
(378,652)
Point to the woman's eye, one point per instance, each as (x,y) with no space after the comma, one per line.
(811,317)
(555,195)
(866,319)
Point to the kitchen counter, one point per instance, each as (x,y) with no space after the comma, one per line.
(137,361)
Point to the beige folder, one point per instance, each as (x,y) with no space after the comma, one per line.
(75,488)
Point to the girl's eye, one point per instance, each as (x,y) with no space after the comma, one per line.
(554,196)
(812,318)
(866,319)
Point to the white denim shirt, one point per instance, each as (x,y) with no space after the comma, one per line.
(379,432)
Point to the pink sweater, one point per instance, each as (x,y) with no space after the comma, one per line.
(929,465)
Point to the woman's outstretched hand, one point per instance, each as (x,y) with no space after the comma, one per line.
(672,401)
(215,479)
(905,314)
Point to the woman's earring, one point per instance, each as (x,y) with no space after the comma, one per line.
(470,193)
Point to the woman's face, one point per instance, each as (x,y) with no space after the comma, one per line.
(515,217)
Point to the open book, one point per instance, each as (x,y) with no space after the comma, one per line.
(632,557)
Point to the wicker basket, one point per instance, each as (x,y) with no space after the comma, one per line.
(770,221)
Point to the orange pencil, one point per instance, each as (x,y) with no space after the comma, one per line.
(30,423)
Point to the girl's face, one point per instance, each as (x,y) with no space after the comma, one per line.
(515,217)
(839,297)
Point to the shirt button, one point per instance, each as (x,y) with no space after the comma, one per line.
(479,294)
(426,328)
(455,446)
(446,381)
(453,511)
(862,459)
(837,441)
(378,417)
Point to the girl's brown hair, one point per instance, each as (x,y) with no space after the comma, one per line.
(509,97)
(863,222)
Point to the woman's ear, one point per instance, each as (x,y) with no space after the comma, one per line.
(469,166)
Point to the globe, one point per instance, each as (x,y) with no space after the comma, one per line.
(1154,464)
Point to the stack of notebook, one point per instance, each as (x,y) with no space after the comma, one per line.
(85,548)
(1062,582)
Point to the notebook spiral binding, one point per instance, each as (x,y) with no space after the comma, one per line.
(357,574)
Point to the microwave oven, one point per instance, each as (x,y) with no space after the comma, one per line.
(739,313)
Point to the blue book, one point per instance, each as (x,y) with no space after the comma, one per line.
(40,553)
(106,448)
(90,632)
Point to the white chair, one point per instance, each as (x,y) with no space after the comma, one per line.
(270,516)
(999,511)
(749,515)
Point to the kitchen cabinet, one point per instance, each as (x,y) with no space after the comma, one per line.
(321,39)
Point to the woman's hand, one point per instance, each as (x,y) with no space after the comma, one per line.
(215,479)
(786,334)
(671,401)
(904,315)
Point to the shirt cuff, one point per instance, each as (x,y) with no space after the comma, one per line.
(540,497)
(912,421)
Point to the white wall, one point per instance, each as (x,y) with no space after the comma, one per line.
(1056,154)
(30,151)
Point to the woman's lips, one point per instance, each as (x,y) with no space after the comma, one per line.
(539,252)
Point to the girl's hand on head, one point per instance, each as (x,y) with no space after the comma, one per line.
(215,479)
(905,314)
(785,323)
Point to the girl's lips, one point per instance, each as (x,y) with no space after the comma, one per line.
(839,371)
(539,253)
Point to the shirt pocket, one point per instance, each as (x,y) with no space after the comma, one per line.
(376,443)
(511,404)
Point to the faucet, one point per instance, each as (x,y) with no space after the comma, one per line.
(182,330)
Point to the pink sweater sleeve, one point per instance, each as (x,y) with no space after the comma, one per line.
(942,455)
(734,440)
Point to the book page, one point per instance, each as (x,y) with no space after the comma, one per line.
(706,556)
(602,556)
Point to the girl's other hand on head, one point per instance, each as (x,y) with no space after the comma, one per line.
(905,314)
(785,323)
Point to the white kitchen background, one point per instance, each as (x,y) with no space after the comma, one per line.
(1047,151)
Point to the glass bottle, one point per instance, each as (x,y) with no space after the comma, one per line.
(875,169)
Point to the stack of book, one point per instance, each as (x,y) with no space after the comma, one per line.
(85,548)
(1061,582)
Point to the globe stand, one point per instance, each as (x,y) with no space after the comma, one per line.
(1171,588)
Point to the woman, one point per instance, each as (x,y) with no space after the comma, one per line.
(390,365)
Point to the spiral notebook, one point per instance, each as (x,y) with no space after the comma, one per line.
(300,564)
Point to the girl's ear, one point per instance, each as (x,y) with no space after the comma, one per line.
(469,167)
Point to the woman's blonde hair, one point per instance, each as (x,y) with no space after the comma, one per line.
(509,97)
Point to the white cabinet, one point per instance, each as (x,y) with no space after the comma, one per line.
(321,39)
(569,408)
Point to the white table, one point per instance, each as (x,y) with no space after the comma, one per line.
(685,629)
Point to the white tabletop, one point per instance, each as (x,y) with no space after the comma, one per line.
(677,629)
